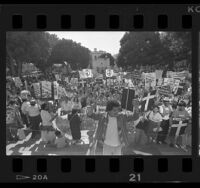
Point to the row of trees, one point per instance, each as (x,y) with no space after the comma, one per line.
(43,50)
(137,48)
(144,48)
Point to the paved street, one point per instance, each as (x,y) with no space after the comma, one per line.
(37,147)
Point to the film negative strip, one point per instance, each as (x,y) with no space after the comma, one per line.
(154,142)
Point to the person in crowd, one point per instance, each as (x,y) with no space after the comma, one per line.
(180,114)
(47,133)
(75,126)
(76,103)
(25,105)
(166,112)
(66,106)
(60,141)
(33,112)
(13,121)
(111,131)
(154,121)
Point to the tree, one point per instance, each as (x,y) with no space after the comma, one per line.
(27,47)
(179,43)
(142,48)
(73,53)
(108,55)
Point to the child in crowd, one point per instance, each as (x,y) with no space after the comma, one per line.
(60,141)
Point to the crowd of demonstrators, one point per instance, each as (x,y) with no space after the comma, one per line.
(39,116)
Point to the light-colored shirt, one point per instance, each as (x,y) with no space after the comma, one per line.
(25,106)
(155,117)
(112,136)
(46,117)
(66,106)
(33,111)
(60,142)
(165,111)
(76,105)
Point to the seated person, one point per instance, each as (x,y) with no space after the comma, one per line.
(60,141)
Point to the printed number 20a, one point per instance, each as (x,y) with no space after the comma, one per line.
(134,177)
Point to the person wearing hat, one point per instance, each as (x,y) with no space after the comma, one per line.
(180,114)
(33,112)
(166,111)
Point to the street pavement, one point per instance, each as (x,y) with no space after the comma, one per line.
(29,146)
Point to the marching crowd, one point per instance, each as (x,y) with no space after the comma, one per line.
(52,119)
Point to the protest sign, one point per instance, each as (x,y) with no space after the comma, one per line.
(109,73)
(165,90)
(37,90)
(55,87)
(87,73)
(159,74)
(150,80)
(46,89)
(18,82)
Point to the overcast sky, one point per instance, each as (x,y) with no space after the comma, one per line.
(106,41)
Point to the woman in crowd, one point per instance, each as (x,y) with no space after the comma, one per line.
(66,106)
(33,112)
(75,126)
(25,105)
(155,119)
(76,103)
(166,111)
(48,135)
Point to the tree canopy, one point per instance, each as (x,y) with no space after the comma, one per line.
(27,47)
(43,50)
(73,53)
(108,55)
(148,48)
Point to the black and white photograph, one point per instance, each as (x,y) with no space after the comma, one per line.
(98,93)
(199,93)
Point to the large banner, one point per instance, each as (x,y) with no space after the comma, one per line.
(46,89)
(178,75)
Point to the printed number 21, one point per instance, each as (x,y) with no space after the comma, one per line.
(134,177)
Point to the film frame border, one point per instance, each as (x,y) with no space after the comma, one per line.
(123,17)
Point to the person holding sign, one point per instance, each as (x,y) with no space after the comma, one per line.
(154,120)
(181,116)
(166,111)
